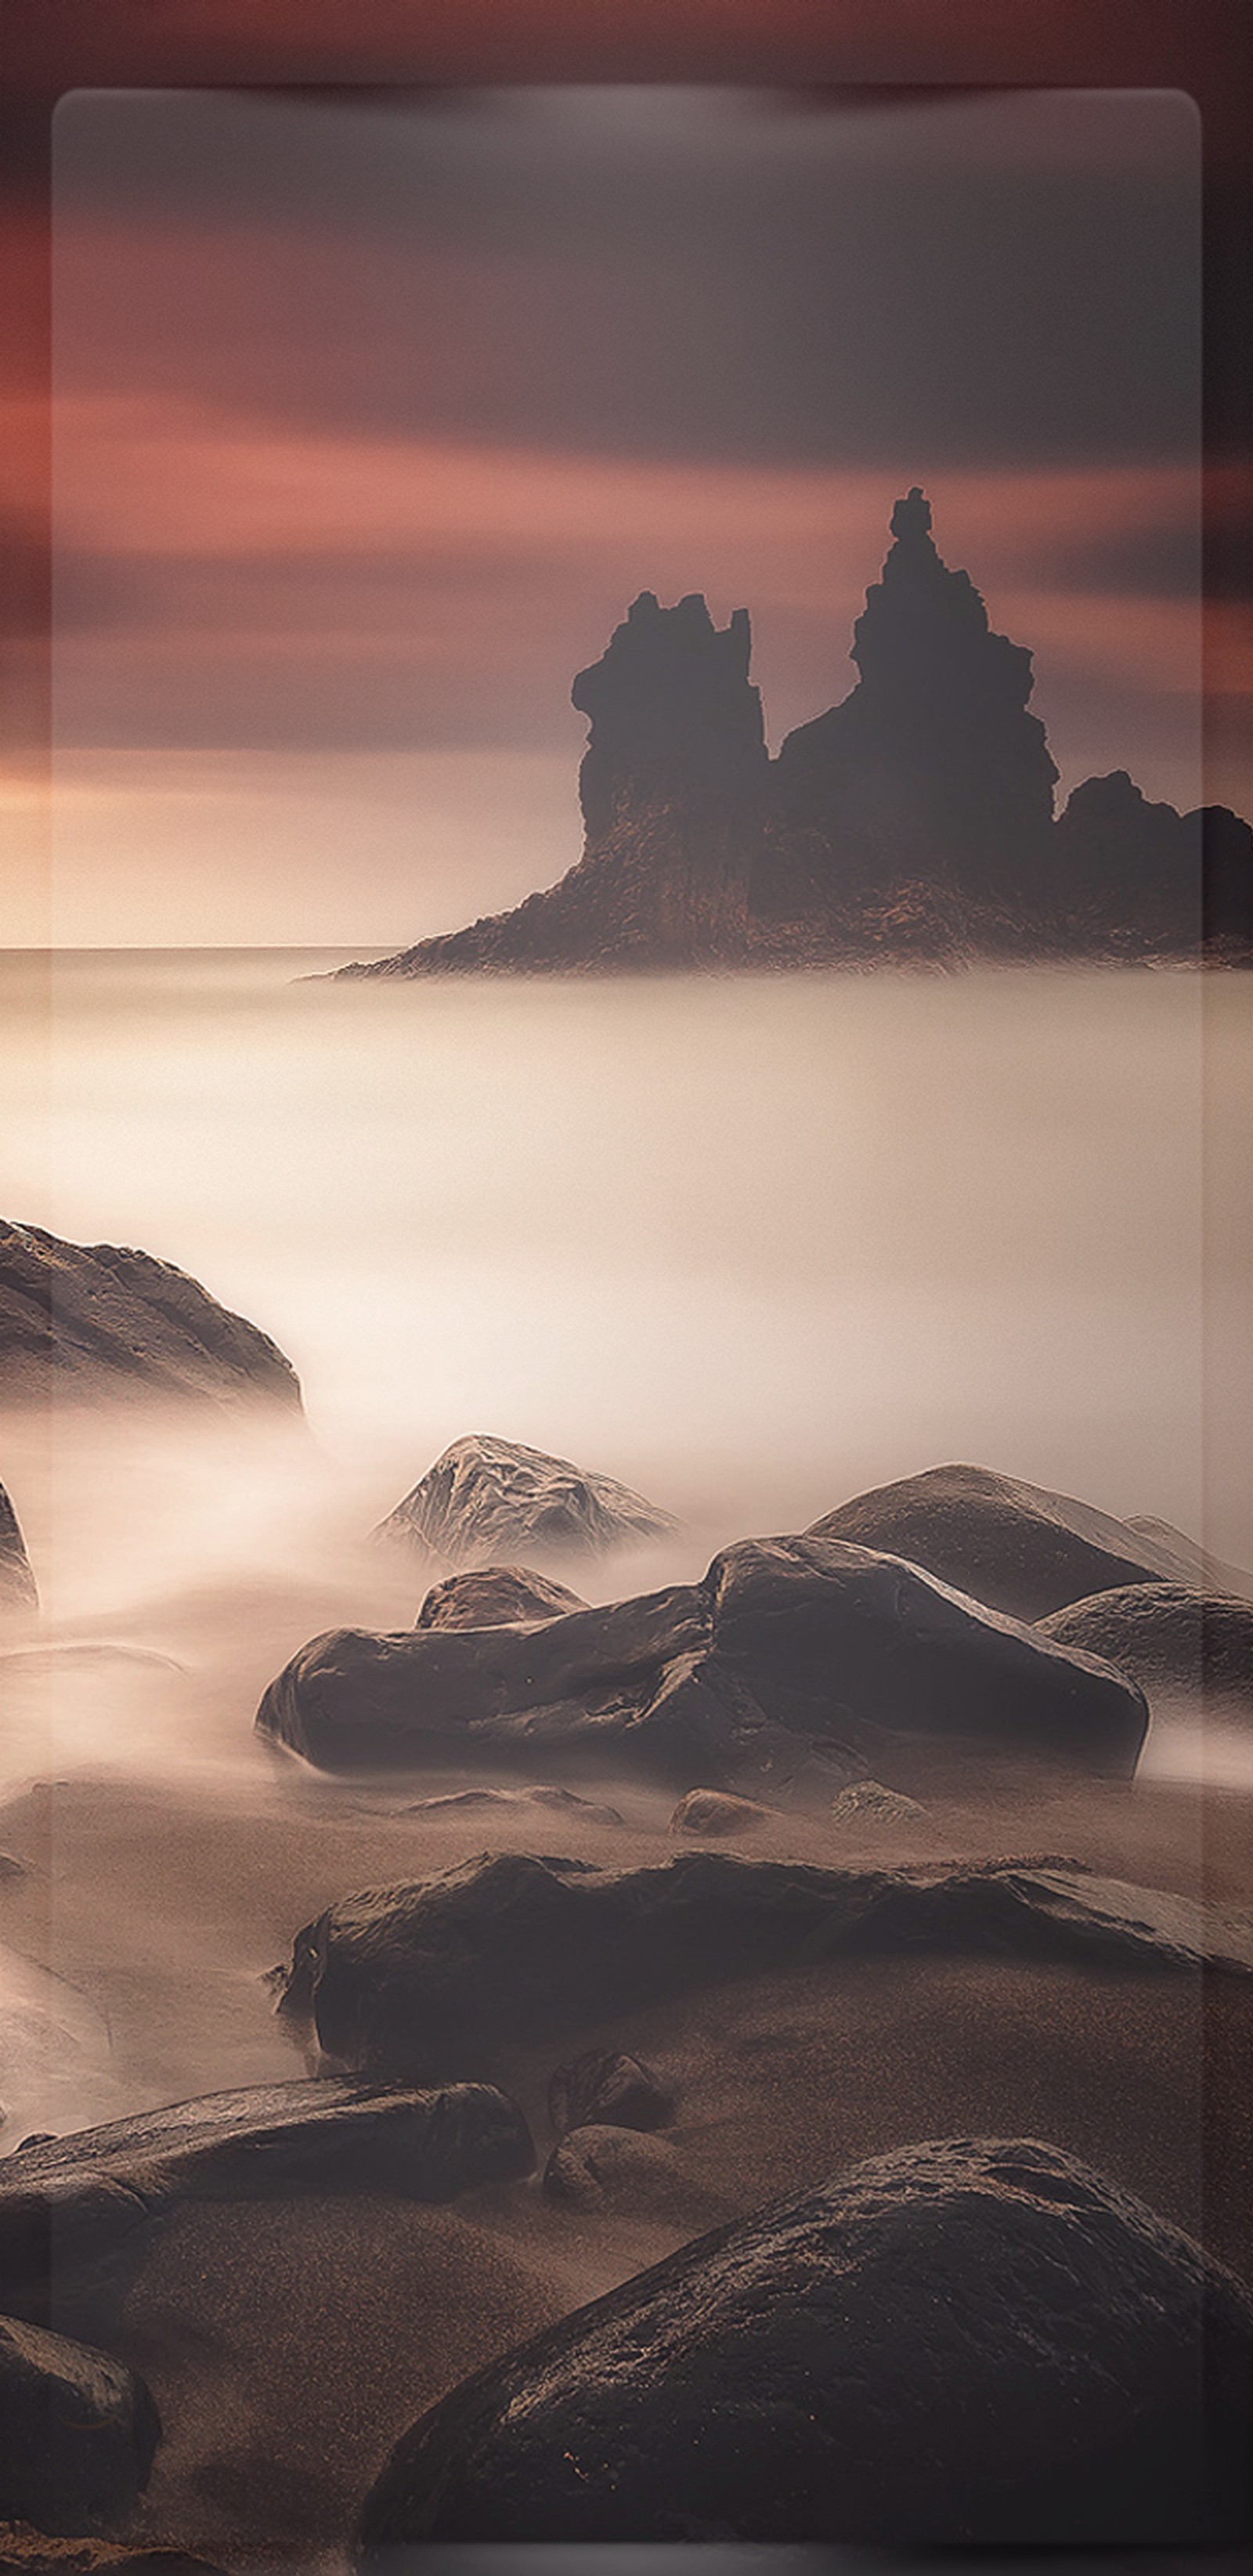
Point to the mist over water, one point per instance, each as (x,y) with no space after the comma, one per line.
(749,1244)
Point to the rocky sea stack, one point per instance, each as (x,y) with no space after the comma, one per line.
(914,820)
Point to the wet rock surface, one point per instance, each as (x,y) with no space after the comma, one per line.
(1168,1637)
(495,1596)
(970,2341)
(76,2211)
(792,1652)
(603,2085)
(487,1502)
(78,2432)
(1014,1546)
(442,1978)
(100,1319)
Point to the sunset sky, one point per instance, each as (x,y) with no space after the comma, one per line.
(373,412)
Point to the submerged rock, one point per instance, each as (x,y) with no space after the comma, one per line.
(716,1812)
(98,1320)
(605,2086)
(868,1802)
(496,1596)
(488,1500)
(969,2342)
(78,2432)
(1014,1546)
(1168,1637)
(559,1802)
(616,2168)
(18,1595)
(442,1978)
(73,2208)
(38,2553)
(792,1653)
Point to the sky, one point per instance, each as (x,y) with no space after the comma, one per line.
(372,412)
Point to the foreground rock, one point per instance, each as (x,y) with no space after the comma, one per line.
(1169,1638)
(443,1978)
(496,1596)
(604,2086)
(18,1596)
(73,2210)
(98,1320)
(1014,1546)
(78,2432)
(967,2342)
(489,1500)
(789,1649)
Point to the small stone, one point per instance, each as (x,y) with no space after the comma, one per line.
(606,2087)
(716,1811)
(602,2167)
(868,1802)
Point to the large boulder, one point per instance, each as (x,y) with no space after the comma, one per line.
(791,1652)
(1017,1547)
(442,1978)
(18,1596)
(969,2342)
(1171,1639)
(99,1320)
(73,2210)
(77,2432)
(488,1500)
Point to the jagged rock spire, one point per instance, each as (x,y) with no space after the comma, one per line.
(673,711)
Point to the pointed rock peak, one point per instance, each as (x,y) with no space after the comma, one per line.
(911,518)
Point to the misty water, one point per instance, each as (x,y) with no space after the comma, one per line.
(749,1244)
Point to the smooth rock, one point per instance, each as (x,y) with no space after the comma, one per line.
(488,1502)
(496,1596)
(78,2432)
(971,2342)
(441,1978)
(1014,1546)
(74,2208)
(716,1812)
(616,2168)
(99,1319)
(1169,1638)
(605,2086)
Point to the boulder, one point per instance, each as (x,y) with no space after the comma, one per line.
(970,2342)
(716,1812)
(867,1802)
(512,1802)
(794,1666)
(18,1595)
(77,2432)
(1014,1546)
(75,2210)
(607,2088)
(100,1320)
(1168,1637)
(606,2167)
(442,1979)
(488,1500)
(496,1596)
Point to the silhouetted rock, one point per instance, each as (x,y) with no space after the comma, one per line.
(486,1500)
(605,2086)
(75,2211)
(616,2168)
(434,1981)
(1014,1546)
(495,1596)
(78,2432)
(867,1802)
(716,1813)
(792,1665)
(969,2342)
(912,821)
(96,1320)
(18,1595)
(1168,1637)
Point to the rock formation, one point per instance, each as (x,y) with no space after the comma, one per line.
(604,2087)
(1173,1641)
(1015,1546)
(913,820)
(970,2342)
(433,1982)
(18,1596)
(796,1664)
(486,1500)
(96,1321)
(495,1596)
